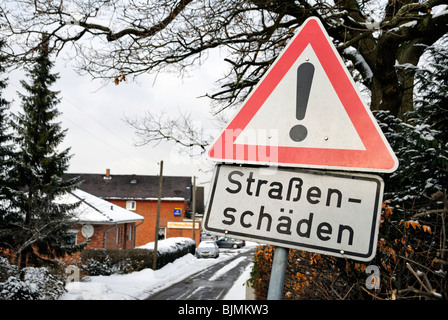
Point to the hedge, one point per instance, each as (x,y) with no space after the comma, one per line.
(108,261)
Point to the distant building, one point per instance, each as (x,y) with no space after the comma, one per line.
(139,194)
(105,224)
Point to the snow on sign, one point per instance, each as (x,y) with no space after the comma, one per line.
(306,112)
(333,213)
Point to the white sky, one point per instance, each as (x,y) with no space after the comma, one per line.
(99,137)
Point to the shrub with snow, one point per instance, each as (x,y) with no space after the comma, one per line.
(29,283)
(101,262)
(96,267)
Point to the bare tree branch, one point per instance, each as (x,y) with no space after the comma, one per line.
(117,40)
(183,130)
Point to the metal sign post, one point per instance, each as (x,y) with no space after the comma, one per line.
(277,281)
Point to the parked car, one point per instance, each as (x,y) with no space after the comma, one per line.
(207,249)
(230,243)
(207,236)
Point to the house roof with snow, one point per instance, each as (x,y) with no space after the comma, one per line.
(108,186)
(94,210)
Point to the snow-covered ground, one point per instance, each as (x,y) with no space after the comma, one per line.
(141,284)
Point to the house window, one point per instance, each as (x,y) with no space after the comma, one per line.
(130,233)
(162,233)
(117,238)
(131,205)
(71,238)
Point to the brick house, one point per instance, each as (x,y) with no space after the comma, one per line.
(139,194)
(107,225)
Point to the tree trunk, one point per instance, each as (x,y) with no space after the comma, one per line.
(385,86)
(23,259)
(393,93)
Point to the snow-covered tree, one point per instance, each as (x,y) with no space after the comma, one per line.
(431,101)
(413,229)
(41,224)
(411,254)
(423,159)
(6,156)
(5,138)
(421,143)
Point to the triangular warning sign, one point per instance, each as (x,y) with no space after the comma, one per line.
(306,112)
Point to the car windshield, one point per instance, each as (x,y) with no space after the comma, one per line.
(206,244)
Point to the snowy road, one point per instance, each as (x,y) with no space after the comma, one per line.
(212,283)
(222,272)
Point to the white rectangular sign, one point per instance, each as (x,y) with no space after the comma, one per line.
(182,225)
(319,211)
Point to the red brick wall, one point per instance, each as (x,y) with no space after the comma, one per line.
(148,209)
(97,239)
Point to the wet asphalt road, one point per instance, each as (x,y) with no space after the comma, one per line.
(210,284)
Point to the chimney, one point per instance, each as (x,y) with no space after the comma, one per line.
(107,177)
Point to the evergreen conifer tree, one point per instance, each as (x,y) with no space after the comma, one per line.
(5,138)
(431,101)
(413,230)
(6,160)
(44,223)
(421,143)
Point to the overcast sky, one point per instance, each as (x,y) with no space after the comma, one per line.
(99,137)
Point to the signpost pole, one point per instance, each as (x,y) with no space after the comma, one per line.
(156,236)
(276,283)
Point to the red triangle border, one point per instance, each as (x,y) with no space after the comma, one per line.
(378,155)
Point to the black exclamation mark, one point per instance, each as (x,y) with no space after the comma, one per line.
(305,73)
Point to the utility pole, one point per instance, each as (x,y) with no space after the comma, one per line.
(154,254)
(194,206)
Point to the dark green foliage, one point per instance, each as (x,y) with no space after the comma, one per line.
(106,262)
(431,101)
(423,159)
(41,223)
(421,143)
(28,283)
(6,160)
(411,256)
(5,134)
